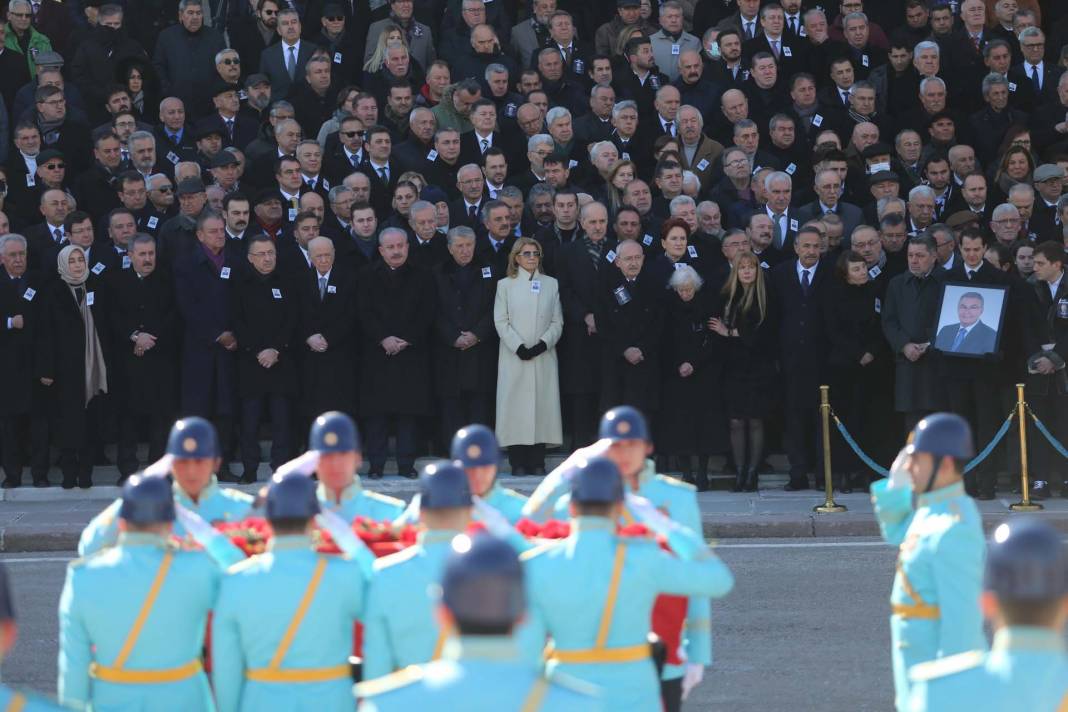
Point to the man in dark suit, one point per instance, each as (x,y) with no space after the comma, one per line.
(828,186)
(467,209)
(247,34)
(326,335)
(970,336)
(146,329)
(427,247)
(284,61)
(465,339)
(174,137)
(395,305)
(473,144)
(97,188)
(579,266)
(19,305)
(495,237)
(379,167)
(1036,78)
(264,312)
(799,287)
(235,128)
(789,52)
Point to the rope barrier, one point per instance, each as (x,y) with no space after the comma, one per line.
(975,462)
(1047,434)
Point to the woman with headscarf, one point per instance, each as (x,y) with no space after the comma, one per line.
(71,362)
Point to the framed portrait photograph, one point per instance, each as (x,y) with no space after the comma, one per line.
(970,319)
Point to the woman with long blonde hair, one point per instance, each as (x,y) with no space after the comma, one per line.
(749,371)
(390,33)
(529,321)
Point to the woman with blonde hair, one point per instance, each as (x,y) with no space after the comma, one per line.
(71,364)
(746,326)
(390,33)
(529,321)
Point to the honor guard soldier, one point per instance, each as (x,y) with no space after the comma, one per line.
(482,597)
(282,630)
(9,632)
(132,617)
(594,592)
(631,446)
(400,628)
(922,507)
(1026,600)
(475,449)
(334,436)
(193,448)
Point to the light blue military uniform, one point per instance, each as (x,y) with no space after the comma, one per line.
(257,601)
(355,501)
(1026,669)
(399,625)
(476,674)
(103,596)
(568,584)
(678,500)
(506,501)
(935,598)
(12,700)
(215,504)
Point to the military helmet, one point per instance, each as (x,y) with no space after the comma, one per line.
(292,496)
(147,500)
(624,422)
(475,446)
(1027,560)
(943,435)
(596,481)
(483,581)
(334,432)
(193,438)
(443,484)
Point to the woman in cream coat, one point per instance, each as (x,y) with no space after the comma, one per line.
(529,321)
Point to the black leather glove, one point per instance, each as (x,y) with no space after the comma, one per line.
(523,353)
(537,349)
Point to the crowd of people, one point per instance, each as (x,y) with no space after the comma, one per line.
(432,212)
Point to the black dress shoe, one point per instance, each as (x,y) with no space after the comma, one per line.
(796,485)
(11,483)
(985,495)
(538,472)
(41,482)
(411,474)
(248,479)
(85,481)
(373,475)
(519,472)
(740,480)
(702,482)
(227,476)
(752,480)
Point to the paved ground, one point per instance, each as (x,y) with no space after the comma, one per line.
(804,628)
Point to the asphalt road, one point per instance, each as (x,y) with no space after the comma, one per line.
(804,629)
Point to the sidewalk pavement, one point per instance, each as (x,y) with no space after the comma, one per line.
(52,519)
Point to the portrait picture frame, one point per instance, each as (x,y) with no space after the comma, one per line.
(978,310)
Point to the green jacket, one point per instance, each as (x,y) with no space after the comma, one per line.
(38,43)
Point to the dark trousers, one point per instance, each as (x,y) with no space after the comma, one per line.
(378,441)
(802,435)
(526,457)
(281,411)
(14,431)
(76,458)
(130,434)
(849,395)
(582,409)
(671,694)
(1052,410)
(977,401)
(466,408)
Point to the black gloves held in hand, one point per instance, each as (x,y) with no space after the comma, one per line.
(526,354)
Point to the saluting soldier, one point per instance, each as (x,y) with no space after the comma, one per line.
(132,617)
(193,447)
(400,628)
(631,446)
(282,630)
(1025,597)
(475,448)
(9,633)
(594,592)
(483,598)
(922,507)
(334,436)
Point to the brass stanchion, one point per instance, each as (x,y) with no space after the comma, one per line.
(829,506)
(1025,505)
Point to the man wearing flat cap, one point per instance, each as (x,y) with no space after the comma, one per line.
(177,236)
(1049,184)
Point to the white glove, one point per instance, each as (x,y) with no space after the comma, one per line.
(160,468)
(495,522)
(650,515)
(695,673)
(217,546)
(305,465)
(567,467)
(346,540)
(194,524)
(899,476)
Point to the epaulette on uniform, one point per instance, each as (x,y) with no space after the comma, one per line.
(944,667)
(676,482)
(388,683)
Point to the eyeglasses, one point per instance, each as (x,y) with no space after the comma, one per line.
(55,102)
(335,18)
(55,166)
(268,253)
(529,254)
(231,61)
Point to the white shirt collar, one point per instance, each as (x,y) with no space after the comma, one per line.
(811,271)
(1054,286)
(322,276)
(468,206)
(295,46)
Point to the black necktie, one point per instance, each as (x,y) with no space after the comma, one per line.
(793,25)
(971,275)
(472,212)
(1034,78)
(806,285)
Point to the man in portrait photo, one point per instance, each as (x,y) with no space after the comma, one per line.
(970,336)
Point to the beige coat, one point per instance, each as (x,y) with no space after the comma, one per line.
(528,392)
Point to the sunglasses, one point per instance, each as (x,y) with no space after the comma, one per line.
(164,189)
(528,253)
(352,134)
(55,166)
(334,18)
(231,62)
(269,12)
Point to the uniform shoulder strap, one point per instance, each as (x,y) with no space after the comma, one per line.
(536,696)
(298,616)
(146,609)
(16,703)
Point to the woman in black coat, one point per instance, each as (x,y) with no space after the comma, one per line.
(71,363)
(693,424)
(745,322)
(856,341)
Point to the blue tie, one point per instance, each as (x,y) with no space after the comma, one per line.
(806,285)
(959,339)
